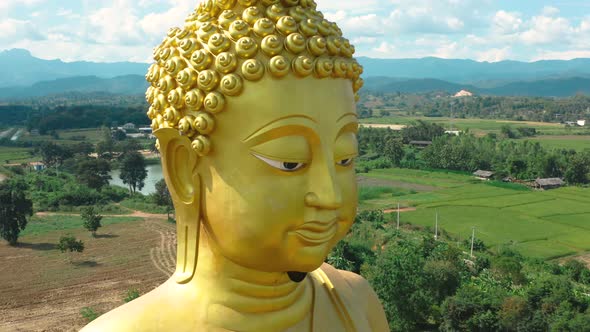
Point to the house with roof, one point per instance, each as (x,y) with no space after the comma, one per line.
(550,183)
(483,175)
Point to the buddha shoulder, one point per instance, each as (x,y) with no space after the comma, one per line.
(357,296)
(154,311)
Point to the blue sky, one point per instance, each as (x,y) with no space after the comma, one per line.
(483,30)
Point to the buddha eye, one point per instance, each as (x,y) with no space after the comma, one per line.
(285,166)
(345,162)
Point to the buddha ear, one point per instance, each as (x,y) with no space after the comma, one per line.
(179,161)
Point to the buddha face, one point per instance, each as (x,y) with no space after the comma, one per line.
(279,188)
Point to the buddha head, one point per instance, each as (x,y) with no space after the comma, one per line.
(253,104)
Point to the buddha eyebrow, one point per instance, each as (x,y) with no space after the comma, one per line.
(278,123)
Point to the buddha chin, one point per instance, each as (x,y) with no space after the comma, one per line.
(254,106)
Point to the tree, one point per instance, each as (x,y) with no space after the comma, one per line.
(162,196)
(422,131)
(133,171)
(394,150)
(54,155)
(119,135)
(93,172)
(70,244)
(106,146)
(91,219)
(14,209)
(578,169)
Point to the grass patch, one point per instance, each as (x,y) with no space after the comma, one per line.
(140,204)
(541,224)
(16,155)
(368,193)
(41,225)
(508,185)
(575,142)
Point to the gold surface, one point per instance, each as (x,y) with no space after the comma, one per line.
(257,150)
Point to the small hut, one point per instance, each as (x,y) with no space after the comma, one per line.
(551,183)
(483,175)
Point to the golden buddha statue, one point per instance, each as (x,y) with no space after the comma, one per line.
(253,104)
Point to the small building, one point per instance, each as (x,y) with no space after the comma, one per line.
(37,166)
(463,93)
(453,132)
(581,123)
(146,130)
(483,175)
(34,132)
(570,123)
(129,126)
(421,144)
(545,184)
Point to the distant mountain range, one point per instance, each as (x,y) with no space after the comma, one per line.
(125,85)
(19,68)
(473,72)
(22,75)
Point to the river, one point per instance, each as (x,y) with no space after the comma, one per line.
(154,175)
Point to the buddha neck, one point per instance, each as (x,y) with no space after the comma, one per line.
(241,298)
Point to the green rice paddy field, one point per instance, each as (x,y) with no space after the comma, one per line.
(544,224)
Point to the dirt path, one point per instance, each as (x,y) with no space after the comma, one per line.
(406,209)
(138,214)
(390,126)
(584,258)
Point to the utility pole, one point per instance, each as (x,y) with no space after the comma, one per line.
(397,215)
(472,240)
(436,227)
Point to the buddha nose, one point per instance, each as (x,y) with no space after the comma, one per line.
(324,191)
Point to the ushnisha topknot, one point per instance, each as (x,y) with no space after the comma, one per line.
(226,43)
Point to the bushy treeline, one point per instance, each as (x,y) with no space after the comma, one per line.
(518,159)
(427,284)
(68,117)
(52,192)
(524,160)
(485,107)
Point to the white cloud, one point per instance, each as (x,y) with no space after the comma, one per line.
(155,25)
(114,30)
(385,49)
(506,22)
(11,29)
(546,30)
(117,24)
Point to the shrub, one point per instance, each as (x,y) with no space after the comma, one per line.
(131,295)
(69,243)
(89,314)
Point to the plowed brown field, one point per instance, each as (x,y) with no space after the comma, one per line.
(41,290)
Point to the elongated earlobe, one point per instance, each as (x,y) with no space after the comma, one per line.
(179,161)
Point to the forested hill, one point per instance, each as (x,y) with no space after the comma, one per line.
(542,88)
(136,85)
